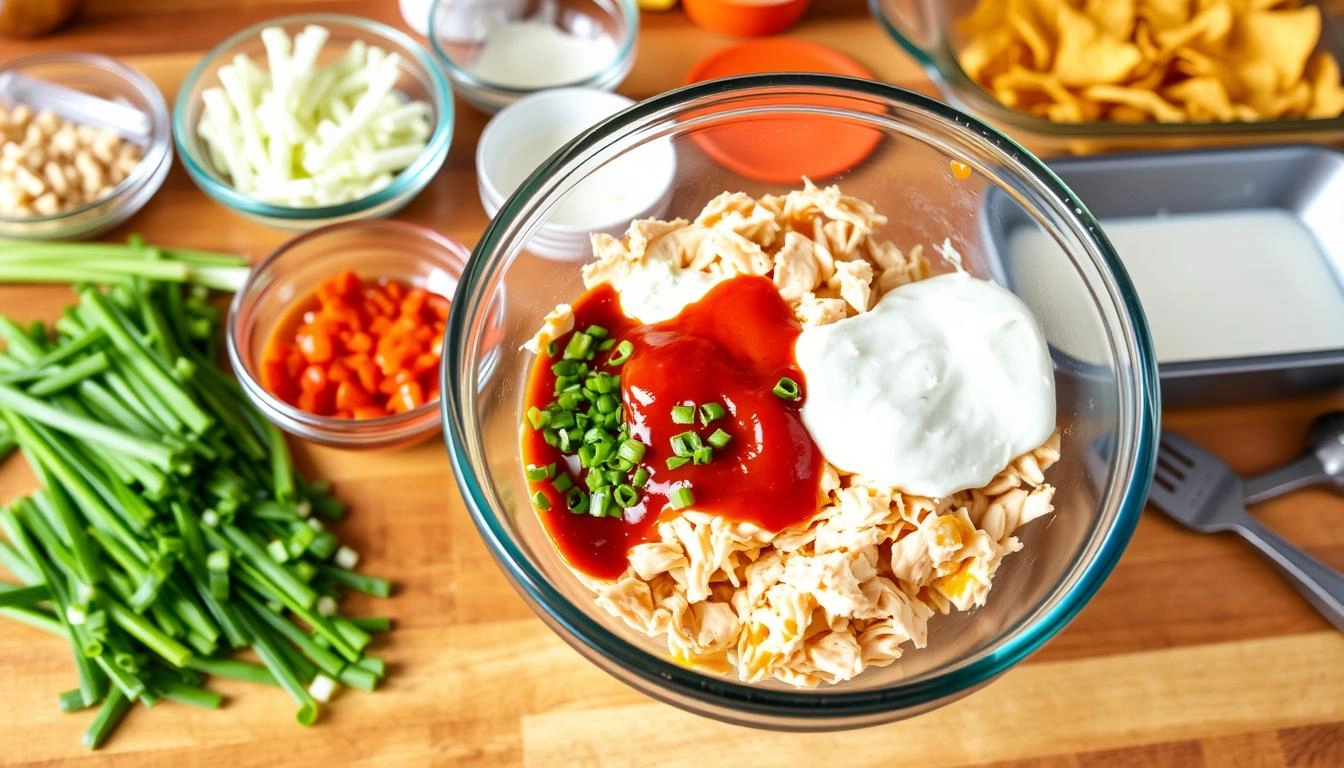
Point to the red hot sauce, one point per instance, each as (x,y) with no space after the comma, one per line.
(731,347)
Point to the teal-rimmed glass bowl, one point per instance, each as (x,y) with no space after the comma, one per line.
(458,30)
(1112,396)
(420,80)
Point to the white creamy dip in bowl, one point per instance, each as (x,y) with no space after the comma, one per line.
(497,51)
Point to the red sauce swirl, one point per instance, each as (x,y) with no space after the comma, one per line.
(731,347)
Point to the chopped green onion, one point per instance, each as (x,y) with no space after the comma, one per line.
(540,501)
(606,345)
(569,368)
(718,438)
(676,462)
(787,389)
(562,482)
(587,455)
(596,331)
(681,497)
(594,481)
(536,474)
(683,414)
(711,412)
(623,352)
(580,347)
(640,478)
(278,551)
(597,503)
(632,450)
(625,496)
(576,500)
(703,455)
(603,383)
(372,623)
(686,443)
(536,417)
(109,715)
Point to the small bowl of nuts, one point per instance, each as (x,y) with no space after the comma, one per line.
(85,141)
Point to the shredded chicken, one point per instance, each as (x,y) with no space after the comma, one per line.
(853,586)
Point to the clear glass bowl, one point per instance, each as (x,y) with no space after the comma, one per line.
(909,175)
(108,79)
(927,30)
(373,249)
(420,80)
(458,29)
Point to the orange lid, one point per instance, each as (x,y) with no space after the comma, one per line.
(784,148)
(745,19)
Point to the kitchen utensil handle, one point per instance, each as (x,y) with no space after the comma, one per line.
(1301,472)
(1320,584)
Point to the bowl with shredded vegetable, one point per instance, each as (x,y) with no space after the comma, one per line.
(314,119)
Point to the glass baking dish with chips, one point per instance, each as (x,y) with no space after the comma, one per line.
(938,33)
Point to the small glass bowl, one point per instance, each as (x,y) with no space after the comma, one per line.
(373,249)
(109,79)
(458,29)
(420,80)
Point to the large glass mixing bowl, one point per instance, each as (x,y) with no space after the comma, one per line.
(938,175)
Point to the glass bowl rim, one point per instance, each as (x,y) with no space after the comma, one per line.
(407,181)
(157,152)
(347,432)
(667,679)
(468,78)
(956,85)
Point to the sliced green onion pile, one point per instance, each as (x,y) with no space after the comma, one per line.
(171,529)
(586,419)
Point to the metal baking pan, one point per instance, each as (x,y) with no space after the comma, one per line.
(1304,181)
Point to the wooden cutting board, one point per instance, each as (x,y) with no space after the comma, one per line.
(1193,653)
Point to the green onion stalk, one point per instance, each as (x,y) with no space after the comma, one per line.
(171,529)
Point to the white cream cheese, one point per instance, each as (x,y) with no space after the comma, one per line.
(934,390)
(654,290)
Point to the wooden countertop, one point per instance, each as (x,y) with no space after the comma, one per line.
(1193,653)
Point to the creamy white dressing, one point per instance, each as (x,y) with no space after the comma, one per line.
(534,54)
(933,391)
(655,290)
(1213,285)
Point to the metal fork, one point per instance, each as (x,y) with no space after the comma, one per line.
(1197,489)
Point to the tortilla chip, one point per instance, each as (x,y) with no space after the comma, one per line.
(1125,114)
(1041,93)
(1282,39)
(1204,98)
(1137,98)
(1115,17)
(1163,14)
(983,57)
(1141,60)
(1327,93)
(1087,55)
(1207,30)
(1033,20)
(1292,103)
